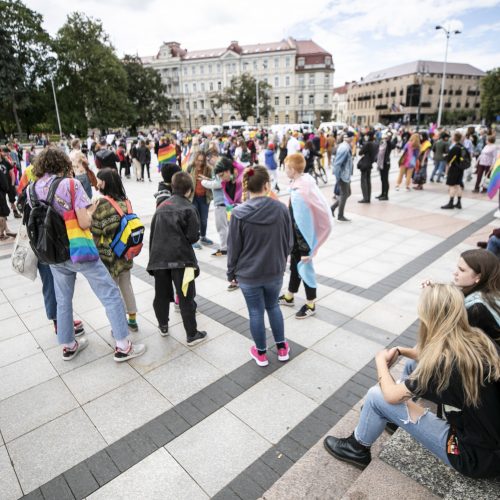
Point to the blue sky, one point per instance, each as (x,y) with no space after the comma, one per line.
(362,35)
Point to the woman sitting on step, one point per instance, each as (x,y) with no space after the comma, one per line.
(459,368)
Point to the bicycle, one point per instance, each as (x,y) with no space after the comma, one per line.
(319,172)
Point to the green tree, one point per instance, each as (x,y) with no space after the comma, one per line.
(91,79)
(146,94)
(24,64)
(490,95)
(241,96)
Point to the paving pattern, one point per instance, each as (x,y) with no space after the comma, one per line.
(206,422)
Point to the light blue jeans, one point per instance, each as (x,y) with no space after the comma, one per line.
(429,430)
(103,286)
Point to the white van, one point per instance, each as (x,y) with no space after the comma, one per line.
(210,129)
(332,125)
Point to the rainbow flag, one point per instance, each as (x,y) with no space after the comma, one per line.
(494,184)
(185,160)
(166,154)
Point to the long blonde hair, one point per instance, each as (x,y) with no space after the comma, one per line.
(415,141)
(446,341)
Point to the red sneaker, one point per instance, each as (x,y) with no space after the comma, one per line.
(260,359)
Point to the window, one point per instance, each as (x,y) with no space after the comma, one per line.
(276,119)
(202,86)
(194,87)
(264,64)
(219,68)
(276,62)
(195,104)
(311,99)
(301,100)
(301,81)
(327,79)
(276,81)
(287,100)
(202,104)
(287,61)
(265,79)
(233,68)
(255,65)
(276,101)
(202,69)
(312,79)
(186,88)
(193,70)
(325,99)
(287,81)
(185,70)
(328,60)
(211,86)
(301,61)
(287,118)
(219,85)
(209,69)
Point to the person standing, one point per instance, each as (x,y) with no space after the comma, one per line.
(172,261)
(457,164)
(330,146)
(368,155)
(260,239)
(202,196)
(105,223)
(271,165)
(293,144)
(283,151)
(312,224)
(384,163)
(440,150)
(486,160)
(408,161)
(420,173)
(342,169)
(136,164)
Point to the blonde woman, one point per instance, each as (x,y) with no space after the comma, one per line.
(408,161)
(458,368)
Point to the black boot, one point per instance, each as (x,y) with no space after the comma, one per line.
(458,204)
(449,205)
(333,208)
(348,450)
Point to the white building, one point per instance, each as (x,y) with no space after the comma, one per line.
(300,73)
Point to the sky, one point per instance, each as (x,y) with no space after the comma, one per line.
(362,35)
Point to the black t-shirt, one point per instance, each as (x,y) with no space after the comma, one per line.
(473,444)
(480,317)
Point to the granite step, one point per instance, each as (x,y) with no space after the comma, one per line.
(317,475)
(408,457)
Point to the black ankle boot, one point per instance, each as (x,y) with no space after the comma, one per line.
(458,204)
(448,205)
(348,450)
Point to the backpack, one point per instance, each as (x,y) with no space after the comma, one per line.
(46,228)
(464,161)
(127,241)
(245,156)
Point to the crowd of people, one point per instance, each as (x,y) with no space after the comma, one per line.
(79,220)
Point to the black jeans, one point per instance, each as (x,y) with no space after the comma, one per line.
(147,168)
(366,183)
(384,178)
(295,279)
(164,294)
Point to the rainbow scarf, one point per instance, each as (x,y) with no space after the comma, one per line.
(166,154)
(313,218)
(494,184)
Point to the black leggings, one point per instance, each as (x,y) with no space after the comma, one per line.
(295,279)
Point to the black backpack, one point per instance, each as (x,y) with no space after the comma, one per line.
(46,228)
(464,161)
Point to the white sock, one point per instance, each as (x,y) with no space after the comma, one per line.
(71,346)
(122,344)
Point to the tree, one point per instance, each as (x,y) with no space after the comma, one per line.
(91,79)
(24,62)
(146,94)
(490,95)
(241,96)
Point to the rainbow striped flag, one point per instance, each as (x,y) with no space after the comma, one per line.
(166,154)
(494,184)
(185,160)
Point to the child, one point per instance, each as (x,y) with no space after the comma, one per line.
(272,166)
(165,186)
(174,228)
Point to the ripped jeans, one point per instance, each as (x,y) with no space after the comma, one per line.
(429,430)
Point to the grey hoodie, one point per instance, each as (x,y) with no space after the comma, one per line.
(259,241)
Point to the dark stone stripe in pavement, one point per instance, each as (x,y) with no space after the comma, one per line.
(270,466)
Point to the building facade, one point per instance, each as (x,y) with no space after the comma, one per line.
(339,104)
(409,93)
(299,72)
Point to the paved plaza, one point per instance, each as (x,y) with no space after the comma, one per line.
(203,422)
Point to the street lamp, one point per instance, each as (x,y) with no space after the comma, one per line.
(448,34)
(54,56)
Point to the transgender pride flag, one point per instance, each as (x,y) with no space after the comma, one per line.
(494,184)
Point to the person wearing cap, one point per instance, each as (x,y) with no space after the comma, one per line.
(342,169)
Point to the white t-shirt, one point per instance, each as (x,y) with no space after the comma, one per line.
(292,146)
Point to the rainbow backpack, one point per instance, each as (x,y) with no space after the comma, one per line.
(127,242)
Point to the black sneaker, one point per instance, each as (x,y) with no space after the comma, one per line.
(283,301)
(233,286)
(196,338)
(219,253)
(133,351)
(69,354)
(163,330)
(305,311)
(348,450)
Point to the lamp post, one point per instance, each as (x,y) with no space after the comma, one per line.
(443,80)
(54,57)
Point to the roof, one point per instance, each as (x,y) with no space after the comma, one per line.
(341,90)
(303,47)
(424,67)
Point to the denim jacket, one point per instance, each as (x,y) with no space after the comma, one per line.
(342,168)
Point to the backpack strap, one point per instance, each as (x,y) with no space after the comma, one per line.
(116,206)
(52,189)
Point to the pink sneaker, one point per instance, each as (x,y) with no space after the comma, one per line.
(284,354)
(260,359)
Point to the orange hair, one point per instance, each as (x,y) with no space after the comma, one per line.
(296,161)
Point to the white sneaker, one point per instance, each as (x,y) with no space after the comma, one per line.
(69,354)
(133,351)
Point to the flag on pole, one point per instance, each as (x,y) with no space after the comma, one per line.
(494,184)
(185,160)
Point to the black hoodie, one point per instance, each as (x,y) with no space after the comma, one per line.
(259,241)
